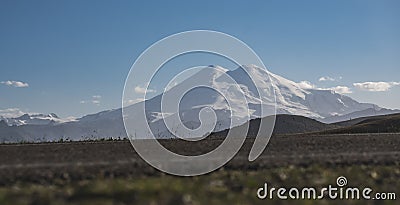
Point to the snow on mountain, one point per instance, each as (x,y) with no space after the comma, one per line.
(33,119)
(291,98)
(359,114)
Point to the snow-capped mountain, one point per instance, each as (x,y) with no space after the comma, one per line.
(33,119)
(290,97)
(359,114)
(235,85)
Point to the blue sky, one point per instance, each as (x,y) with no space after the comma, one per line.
(74,55)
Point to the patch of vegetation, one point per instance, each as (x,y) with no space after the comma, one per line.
(219,187)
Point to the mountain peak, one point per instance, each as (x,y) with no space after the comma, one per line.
(290,98)
(34,119)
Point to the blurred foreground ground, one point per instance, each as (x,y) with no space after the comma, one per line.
(110,172)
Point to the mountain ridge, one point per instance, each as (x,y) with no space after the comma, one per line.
(291,99)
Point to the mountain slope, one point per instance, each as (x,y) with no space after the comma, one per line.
(375,124)
(291,99)
(287,124)
(359,114)
(33,119)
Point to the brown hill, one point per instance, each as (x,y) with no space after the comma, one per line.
(376,124)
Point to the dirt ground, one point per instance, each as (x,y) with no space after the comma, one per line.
(74,161)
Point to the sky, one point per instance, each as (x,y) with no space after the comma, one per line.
(72,57)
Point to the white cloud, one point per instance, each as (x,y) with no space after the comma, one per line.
(95,100)
(375,86)
(17,84)
(11,113)
(142,90)
(326,78)
(306,85)
(131,102)
(341,89)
